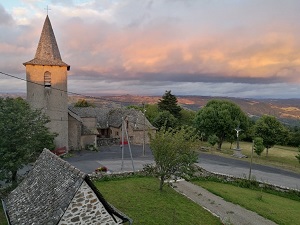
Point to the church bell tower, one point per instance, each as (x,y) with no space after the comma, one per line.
(46,76)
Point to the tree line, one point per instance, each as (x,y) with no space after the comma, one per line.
(217,121)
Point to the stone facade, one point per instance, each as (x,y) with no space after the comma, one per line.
(53,101)
(86,209)
(75,127)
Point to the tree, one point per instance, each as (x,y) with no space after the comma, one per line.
(151,112)
(168,102)
(270,130)
(258,145)
(165,119)
(83,103)
(298,156)
(220,117)
(212,140)
(23,135)
(173,153)
(187,117)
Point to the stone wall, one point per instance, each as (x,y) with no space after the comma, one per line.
(85,208)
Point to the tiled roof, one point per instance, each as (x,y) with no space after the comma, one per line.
(47,52)
(44,195)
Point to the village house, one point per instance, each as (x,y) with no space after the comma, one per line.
(100,126)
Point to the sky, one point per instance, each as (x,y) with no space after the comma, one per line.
(234,48)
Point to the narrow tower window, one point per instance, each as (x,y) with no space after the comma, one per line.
(47,79)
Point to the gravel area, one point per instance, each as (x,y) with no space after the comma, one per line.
(228,212)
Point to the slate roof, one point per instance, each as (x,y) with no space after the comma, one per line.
(95,112)
(47,52)
(113,117)
(46,192)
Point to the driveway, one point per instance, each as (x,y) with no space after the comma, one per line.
(111,157)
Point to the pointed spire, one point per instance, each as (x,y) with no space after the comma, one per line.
(47,52)
(47,48)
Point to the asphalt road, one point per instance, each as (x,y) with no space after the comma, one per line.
(239,168)
(111,157)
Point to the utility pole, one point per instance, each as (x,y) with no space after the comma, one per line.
(144,132)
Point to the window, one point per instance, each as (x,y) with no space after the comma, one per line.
(47,79)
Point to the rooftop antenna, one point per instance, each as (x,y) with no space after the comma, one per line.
(47,9)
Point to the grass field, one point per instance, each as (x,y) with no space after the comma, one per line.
(140,199)
(2,216)
(280,156)
(278,209)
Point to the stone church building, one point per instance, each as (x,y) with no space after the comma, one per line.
(47,89)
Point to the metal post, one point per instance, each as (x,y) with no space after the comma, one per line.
(144,135)
(122,144)
(251,160)
(129,148)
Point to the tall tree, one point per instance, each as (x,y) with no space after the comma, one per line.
(168,102)
(220,117)
(23,135)
(270,130)
(173,151)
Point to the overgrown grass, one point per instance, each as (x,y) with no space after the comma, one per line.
(140,199)
(279,156)
(278,209)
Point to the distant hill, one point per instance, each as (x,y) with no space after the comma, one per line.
(286,110)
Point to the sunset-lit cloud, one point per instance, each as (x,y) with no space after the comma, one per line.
(235,48)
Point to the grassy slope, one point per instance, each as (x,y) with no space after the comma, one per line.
(280,156)
(278,209)
(140,199)
(2,216)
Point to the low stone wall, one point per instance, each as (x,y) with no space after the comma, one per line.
(107,141)
(199,172)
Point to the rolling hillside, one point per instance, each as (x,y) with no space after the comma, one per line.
(286,110)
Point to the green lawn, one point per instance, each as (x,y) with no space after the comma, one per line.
(140,199)
(280,156)
(278,209)
(2,215)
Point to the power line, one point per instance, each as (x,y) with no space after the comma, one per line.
(68,92)
(73,93)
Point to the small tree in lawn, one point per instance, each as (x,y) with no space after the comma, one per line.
(23,135)
(258,145)
(270,130)
(173,153)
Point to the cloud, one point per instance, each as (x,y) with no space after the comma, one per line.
(5,18)
(162,42)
